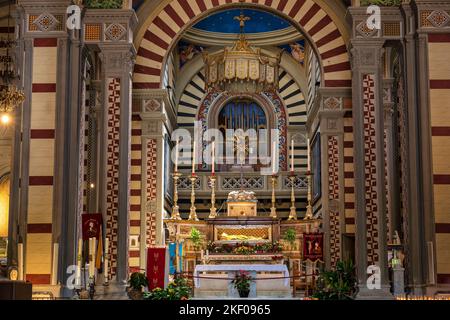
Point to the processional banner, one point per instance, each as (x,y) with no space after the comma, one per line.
(157,267)
(91,225)
(313,246)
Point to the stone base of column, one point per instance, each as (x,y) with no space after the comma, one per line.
(113,291)
(376,294)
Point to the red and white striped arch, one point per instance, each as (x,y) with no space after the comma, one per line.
(177,15)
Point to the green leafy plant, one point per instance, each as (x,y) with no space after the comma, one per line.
(103,4)
(290,236)
(176,290)
(196,239)
(338,284)
(138,281)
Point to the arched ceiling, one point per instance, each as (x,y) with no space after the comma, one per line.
(323,23)
(224,22)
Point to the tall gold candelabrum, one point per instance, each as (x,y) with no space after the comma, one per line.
(193,211)
(213,210)
(273,210)
(175,209)
(309,212)
(293,211)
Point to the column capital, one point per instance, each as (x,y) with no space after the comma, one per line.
(155,104)
(117,58)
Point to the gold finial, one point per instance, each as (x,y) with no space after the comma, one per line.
(242,19)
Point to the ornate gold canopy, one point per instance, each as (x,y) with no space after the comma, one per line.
(241,68)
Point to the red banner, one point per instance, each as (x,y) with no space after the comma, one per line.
(156,267)
(91,225)
(313,246)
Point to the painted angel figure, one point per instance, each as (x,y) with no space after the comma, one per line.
(297,52)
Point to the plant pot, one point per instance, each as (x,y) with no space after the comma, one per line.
(244,293)
(134,294)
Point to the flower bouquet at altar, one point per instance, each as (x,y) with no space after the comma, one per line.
(242,282)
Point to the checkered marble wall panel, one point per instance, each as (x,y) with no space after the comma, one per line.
(349,182)
(112,175)
(370,168)
(151,192)
(386,185)
(135,192)
(333,199)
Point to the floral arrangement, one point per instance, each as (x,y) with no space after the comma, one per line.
(244,248)
(242,282)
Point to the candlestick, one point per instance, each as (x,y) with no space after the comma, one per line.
(175,209)
(213,210)
(293,211)
(106,282)
(193,158)
(193,211)
(292,155)
(273,210)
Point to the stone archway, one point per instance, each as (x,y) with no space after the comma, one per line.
(308,16)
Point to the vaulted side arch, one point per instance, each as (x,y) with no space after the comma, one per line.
(309,16)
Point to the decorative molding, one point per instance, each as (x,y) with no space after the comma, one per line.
(439,18)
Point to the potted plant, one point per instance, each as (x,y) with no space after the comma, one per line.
(196,240)
(136,283)
(338,284)
(176,290)
(290,236)
(242,282)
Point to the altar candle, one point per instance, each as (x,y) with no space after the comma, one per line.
(91,256)
(78,271)
(292,155)
(106,258)
(309,156)
(213,157)
(176,159)
(193,159)
(274,146)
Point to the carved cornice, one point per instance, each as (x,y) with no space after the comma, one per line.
(155,104)
(392,23)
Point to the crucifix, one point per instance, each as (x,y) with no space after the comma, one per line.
(242,19)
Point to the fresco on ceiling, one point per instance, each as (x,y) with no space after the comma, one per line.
(224,22)
(187,51)
(296,50)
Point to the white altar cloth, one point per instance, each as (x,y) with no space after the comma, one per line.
(240,267)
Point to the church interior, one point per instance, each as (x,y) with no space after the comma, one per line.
(234,148)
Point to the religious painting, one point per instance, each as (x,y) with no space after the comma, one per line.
(296,50)
(316,168)
(313,246)
(91,225)
(187,51)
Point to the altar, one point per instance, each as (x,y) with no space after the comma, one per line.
(242,238)
(215,280)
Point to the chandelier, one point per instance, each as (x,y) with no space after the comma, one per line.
(241,68)
(10,95)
